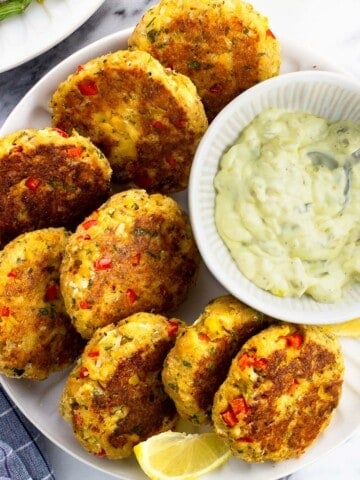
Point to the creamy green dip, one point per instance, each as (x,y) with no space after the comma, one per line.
(288,204)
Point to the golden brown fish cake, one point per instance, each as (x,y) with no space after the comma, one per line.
(135,253)
(280,392)
(114,397)
(48,179)
(223,46)
(36,334)
(146,119)
(198,364)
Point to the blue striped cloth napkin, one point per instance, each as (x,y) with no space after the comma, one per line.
(21,457)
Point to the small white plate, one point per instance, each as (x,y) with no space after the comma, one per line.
(40,27)
(39,400)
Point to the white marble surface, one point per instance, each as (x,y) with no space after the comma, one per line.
(328,27)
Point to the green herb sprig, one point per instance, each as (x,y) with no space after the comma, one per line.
(13,7)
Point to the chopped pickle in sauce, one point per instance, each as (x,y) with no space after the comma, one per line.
(288,204)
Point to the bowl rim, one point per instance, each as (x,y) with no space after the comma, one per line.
(329,313)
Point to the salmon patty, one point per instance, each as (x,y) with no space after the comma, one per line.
(135,253)
(146,119)
(223,46)
(114,397)
(49,179)
(37,337)
(280,392)
(198,364)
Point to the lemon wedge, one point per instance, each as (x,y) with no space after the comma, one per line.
(350,328)
(181,456)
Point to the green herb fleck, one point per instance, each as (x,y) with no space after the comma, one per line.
(48,311)
(125,339)
(152,34)
(186,363)
(141,231)
(213,351)
(151,21)
(194,65)
(194,419)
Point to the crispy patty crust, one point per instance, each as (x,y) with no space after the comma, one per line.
(224,46)
(36,334)
(48,179)
(146,119)
(135,253)
(198,364)
(114,397)
(280,393)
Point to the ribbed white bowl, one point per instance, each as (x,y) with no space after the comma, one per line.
(330,95)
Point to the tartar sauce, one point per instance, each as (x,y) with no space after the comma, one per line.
(288,204)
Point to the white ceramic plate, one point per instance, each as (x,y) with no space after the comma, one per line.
(39,400)
(40,27)
(328,94)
